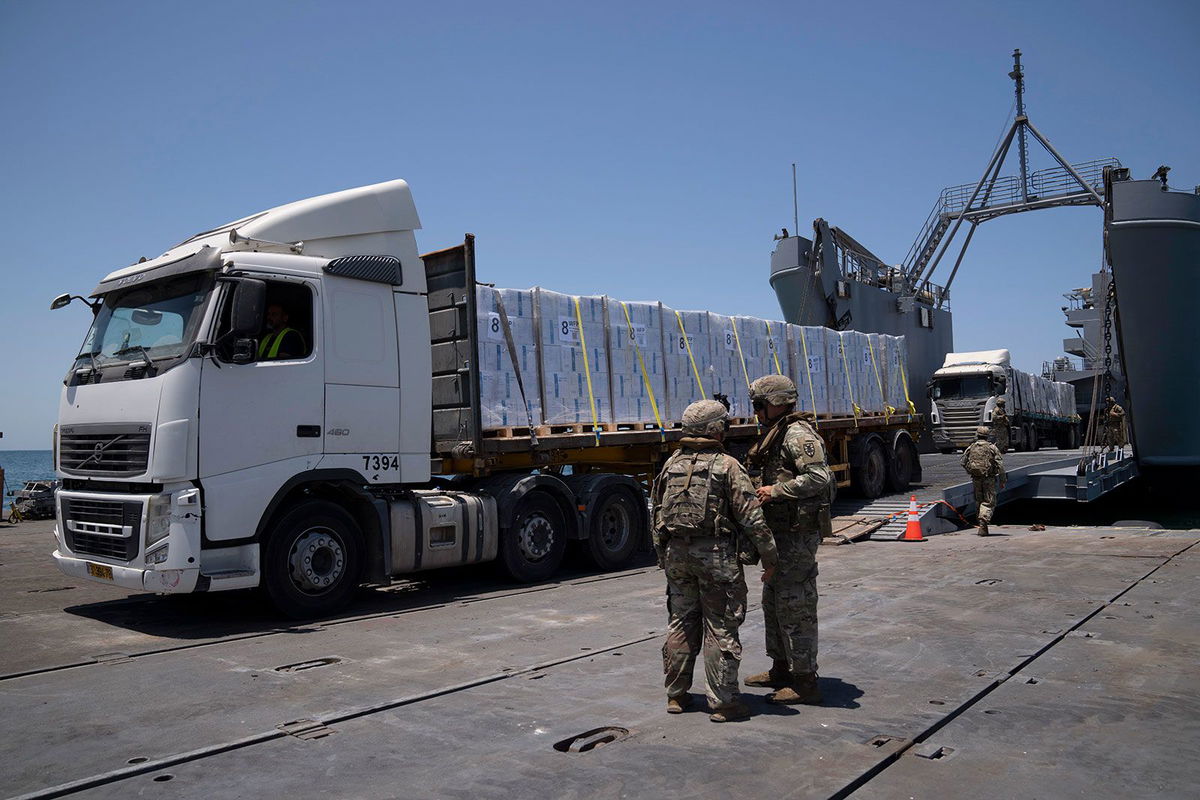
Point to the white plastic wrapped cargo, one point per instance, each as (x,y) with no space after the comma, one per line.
(875,366)
(501,404)
(757,355)
(686,358)
(724,370)
(633,328)
(841,384)
(896,360)
(777,355)
(810,367)
(569,356)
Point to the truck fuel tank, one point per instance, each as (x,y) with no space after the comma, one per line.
(432,529)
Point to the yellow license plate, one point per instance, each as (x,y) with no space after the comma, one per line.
(102,571)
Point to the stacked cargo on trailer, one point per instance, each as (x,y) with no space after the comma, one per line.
(422,421)
(964,392)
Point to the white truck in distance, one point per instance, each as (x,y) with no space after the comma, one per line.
(199,453)
(964,393)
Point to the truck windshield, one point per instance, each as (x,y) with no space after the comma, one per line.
(964,387)
(152,322)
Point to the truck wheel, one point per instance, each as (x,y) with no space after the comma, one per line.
(869,478)
(615,529)
(1031,437)
(312,560)
(903,465)
(532,547)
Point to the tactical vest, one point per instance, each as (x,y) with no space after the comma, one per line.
(767,468)
(690,506)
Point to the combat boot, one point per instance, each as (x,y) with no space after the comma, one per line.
(983,528)
(776,678)
(730,712)
(803,690)
(677,705)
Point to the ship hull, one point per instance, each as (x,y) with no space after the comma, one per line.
(1154,248)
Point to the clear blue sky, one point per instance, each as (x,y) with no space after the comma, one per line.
(637,149)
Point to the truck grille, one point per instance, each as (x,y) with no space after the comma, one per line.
(105,528)
(960,423)
(117,450)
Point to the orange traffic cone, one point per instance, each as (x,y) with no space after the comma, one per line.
(912,530)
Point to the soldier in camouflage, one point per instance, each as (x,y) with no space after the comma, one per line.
(1114,424)
(984,463)
(795,485)
(1000,426)
(702,502)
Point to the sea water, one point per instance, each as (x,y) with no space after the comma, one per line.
(24,465)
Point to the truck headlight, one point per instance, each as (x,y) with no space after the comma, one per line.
(158,556)
(158,519)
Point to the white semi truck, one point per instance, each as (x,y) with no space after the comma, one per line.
(200,452)
(964,392)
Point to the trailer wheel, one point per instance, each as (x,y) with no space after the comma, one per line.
(1031,436)
(903,465)
(532,546)
(615,529)
(313,560)
(870,476)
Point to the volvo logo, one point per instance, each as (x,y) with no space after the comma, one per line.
(98,453)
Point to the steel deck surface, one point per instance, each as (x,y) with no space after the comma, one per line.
(460,685)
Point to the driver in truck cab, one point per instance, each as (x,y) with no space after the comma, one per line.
(279,341)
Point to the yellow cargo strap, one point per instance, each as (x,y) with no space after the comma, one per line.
(912,409)
(642,366)
(807,372)
(887,410)
(738,341)
(774,349)
(688,346)
(846,369)
(587,371)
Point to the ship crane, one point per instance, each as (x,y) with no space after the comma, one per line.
(994,196)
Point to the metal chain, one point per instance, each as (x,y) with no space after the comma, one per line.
(1110,302)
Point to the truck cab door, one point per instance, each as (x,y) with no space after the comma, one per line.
(262,422)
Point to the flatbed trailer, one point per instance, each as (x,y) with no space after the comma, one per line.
(868,453)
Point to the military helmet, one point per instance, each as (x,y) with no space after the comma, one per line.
(999,401)
(982,432)
(778,390)
(704,418)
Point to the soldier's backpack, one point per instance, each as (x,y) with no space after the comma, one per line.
(685,507)
(979,461)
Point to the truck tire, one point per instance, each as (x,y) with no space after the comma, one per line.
(870,477)
(1031,436)
(312,561)
(615,529)
(903,465)
(532,547)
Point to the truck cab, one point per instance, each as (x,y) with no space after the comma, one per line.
(963,396)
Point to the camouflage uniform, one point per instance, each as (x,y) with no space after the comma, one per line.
(790,457)
(1000,426)
(706,589)
(985,487)
(1114,418)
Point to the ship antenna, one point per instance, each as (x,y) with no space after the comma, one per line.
(795,205)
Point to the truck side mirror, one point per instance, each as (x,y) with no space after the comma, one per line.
(249,302)
(61,301)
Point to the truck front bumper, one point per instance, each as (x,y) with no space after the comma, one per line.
(165,581)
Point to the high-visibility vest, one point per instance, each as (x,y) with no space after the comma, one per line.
(269,347)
